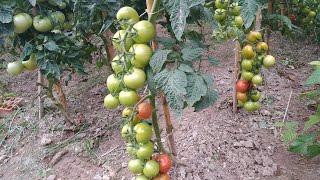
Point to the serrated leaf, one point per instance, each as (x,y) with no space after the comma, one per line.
(185,68)
(301,144)
(5,15)
(196,88)
(106,25)
(313,150)
(313,120)
(51,46)
(27,50)
(151,83)
(33,2)
(173,84)
(283,19)
(158,59)
(248,11)
(207,100)
(167,42)
(288,135)
(314,78)
(213,60)
(208,79)
(189,54)
(179,11)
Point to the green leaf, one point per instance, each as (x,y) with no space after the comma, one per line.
(106,25)
(151,83)
(168,43)
(208,79)
(158,59)
(313,120)
(248,11)
(313,150)
(185,68)
(27,50)
(179,11)
(196,88)
(300,145)
(189,54)
(51,46)
(289,135)
(173,84)
(213,60)
(314,78)
(6,14)
(33,2)
(283,19)
(207,100)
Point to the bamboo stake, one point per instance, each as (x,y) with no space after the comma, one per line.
(237,59)
(270,11)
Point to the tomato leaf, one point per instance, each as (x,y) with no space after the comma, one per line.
(189,54)
(314,78)
(301,144)
(33,2)
(213,60)
(185,68)
(248,11)
(158,59)
(179,11)
(313,120)
(51,46)
(173,83)
(6,14)
(27,50)
(207,100)
(196,88)
(313,150)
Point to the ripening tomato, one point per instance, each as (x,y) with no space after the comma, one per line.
(257,35)
(262,47)
(142,54)
(164,161)
(247,52)
(136,166)
(135,79)
(151,169)
(15,68)
(242,86)
(269,61)
(145,32)
(127,112)
(111,102)
(257,79)
(128,98)
(143,132)
(144,110)
(22,22)
(145,151)
(127,13)
(242,96)
(162,177)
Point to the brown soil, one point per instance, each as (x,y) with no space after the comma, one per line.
(211,144)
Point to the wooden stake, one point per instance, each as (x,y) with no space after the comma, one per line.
(270,11)
(61,95)
(40,103)
(237,59)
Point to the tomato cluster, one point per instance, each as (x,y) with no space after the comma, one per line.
(302,13)
(22,22)
(228,17)
(253,57)
(131,42)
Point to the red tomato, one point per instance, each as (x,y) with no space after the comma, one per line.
(242,86)
(144,110)
(162,177)
(165,162)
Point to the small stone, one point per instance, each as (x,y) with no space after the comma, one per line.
(97,177)
(265,112)
(51,177)
(247,144)
(45,140)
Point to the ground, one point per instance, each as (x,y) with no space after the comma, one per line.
(211,144)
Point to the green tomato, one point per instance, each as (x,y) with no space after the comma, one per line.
(128,98)
(145,151)
(249,106)
(22,22)
(269,61)
(145,32)
(143,132)
(240,103)
(221,4)
(15,68)
(312,14)
(30,64)
(257,80)
(136,166)
(135,79)
(220,15)
(111,102)
(126,131)
(116,64)
(59,17)
(113,84)
(246,65)
(141,177)
(42,24)
(257,106)
(246,75)
(238,21)
(151,169)
(247,52)
(118,37)
(142,54)
(131,149)
(255,96)
(235,9)
(127,13)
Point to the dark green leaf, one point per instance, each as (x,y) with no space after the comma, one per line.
(27,50)
(207,100)
(51,46)
(213,60)
(168,43)
(151,83)
(301,144)
(314,78)
(196,88)
(158,59)
(313,120)
(208,79)
(248,11)
(189,54)
(313,150)
(6,14)
(185,68)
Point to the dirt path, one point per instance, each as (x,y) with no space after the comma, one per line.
(212,144)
